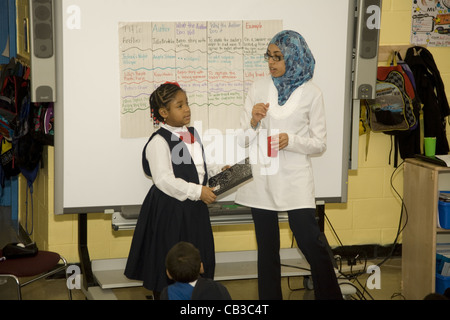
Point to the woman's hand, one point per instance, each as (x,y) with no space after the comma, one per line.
(283,141)
(207,195)
(259,112)
(280,141)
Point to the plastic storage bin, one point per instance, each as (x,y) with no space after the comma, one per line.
(442,282)
(444,212)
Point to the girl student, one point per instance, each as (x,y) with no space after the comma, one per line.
(287,102)
(175,208)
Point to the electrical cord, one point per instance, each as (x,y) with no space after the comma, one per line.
(403,214)
(403,220)
(400,228)
(354,276)
(350,277)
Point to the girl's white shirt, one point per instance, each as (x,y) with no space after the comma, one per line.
(160,161)
(286,182)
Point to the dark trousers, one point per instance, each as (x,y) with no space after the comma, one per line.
(307,234)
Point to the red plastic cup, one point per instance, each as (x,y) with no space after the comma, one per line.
(271,151)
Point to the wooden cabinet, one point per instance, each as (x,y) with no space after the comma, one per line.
(422,183)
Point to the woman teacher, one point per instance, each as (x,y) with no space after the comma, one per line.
(290,104)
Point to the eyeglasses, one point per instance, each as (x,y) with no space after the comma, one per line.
(274,58)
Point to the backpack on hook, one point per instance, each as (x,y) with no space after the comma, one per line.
(395,110)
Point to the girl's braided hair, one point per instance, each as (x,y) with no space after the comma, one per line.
(161,97)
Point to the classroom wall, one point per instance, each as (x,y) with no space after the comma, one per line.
(370,216)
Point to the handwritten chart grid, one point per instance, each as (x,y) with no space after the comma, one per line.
(215,62)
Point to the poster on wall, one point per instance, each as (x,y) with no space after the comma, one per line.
(213,61)
(431,23)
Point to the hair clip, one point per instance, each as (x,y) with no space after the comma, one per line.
(174,83)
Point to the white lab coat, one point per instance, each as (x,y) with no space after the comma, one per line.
(285,182)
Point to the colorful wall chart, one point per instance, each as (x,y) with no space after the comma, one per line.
(215,62)
(431,23)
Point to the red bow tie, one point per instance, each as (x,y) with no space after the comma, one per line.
(187,137)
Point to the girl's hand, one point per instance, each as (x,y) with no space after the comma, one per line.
(259,112)
(207,195)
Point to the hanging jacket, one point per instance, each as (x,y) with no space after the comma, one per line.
(431,92)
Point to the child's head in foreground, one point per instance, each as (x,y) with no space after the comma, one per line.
(183,263)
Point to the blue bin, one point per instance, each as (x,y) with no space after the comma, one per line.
(442,282)
(444,213)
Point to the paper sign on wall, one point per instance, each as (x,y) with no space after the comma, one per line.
(213,61)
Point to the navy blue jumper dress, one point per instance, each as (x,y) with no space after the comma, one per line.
(164,221)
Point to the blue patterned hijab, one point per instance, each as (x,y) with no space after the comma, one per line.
(300,63)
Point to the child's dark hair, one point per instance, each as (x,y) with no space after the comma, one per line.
(161,97)
(183,262)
